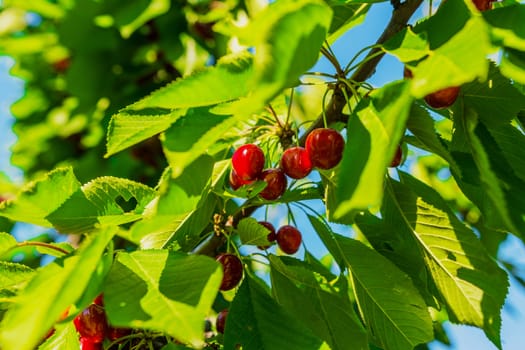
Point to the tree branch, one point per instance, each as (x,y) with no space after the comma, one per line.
(333,110)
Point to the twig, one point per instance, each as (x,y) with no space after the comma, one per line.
(333,110)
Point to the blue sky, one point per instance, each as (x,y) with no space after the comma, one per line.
(463,337)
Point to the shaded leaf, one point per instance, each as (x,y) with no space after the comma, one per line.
(252,233)
(507,25)
(256,321)
(156,289)
(7,242)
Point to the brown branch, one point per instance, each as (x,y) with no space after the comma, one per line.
(333,111)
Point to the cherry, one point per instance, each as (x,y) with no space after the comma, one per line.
(296,162)
(442,98)
(289,239)
(276,183)
(397,157)
(483,5)
(232,270)
(325,147)
(220,323)
(62,65)
(115,333)
(91,323)
(236,181)
(407,73)
(88,344)
(99,300)
(248,162)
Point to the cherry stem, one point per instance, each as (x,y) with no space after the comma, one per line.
(330,57)
(42,244)
(272,111)
(347,67)
(289,108)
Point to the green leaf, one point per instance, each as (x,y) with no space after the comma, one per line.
(40,198)
(484,165)
(64,338)
(346,15)
(394,312)
(126,129)
(194,135)
(252,233)
(373,134)
(131,16)
(224,82)
(287,37)
(469,281)
(327,312)
(458,61)
(182,210)
(7,242)
(49,293)
(108,201)
(422,127)
(256,321)
(495,100)
(326,234)
(408,46)
(157,289)
(507,25)
(14,274)
(28,44)
(513,65)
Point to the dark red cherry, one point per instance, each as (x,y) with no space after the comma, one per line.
(397,157)
(483,5)
(248,162)
(442,98)
(289,239)
(88,344)
(220,323)
(276,183)
(236,181)
(325,147)
(91,323)
(115,333)
(99,300)
(296,162)
(407,73)
(232,270)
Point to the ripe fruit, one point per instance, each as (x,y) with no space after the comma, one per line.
(325,147)
(289,239)
(220,323)
(91,323)
(296,162)
(483,5)
(276,183)
(248,162)
(232,270)
(115,333)
(236,181)
(442,98)
(88,344)
(397,157)
(99,300)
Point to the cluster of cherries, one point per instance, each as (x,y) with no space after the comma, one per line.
(323,149)
(93,327)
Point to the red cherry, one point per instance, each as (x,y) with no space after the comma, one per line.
(325,147)
(232,270)
(248,162)
(483,5)
(88,344)
(236,181)
(442,98)
(99,300)
(276,183)
(289,239)
(91,323)
(296,162)
(397,157)
(220,323)
(115,333)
